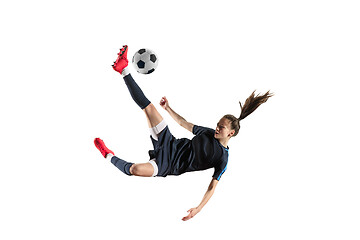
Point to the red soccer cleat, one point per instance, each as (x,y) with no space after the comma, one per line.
(102,148)
(121,62)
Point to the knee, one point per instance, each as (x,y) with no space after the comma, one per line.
(142,170)
(135,170)
(150,108)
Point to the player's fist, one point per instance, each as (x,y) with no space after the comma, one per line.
(164,103)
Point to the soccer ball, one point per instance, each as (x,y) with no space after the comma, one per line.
(145,61)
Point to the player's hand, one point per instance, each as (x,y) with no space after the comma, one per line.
(192,212)
(164,103)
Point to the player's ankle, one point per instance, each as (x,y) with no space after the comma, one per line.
(125,72)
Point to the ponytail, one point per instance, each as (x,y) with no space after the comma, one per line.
(250,105)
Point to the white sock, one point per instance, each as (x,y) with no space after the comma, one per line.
(125,72)
(109,156)
(155,131)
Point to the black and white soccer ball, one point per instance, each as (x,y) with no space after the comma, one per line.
(145,61)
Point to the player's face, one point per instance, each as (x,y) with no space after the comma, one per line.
(223,129)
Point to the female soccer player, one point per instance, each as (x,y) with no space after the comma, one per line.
(171,156)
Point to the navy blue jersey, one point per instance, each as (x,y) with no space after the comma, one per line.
(177,156)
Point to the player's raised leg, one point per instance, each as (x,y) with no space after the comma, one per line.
(121,65)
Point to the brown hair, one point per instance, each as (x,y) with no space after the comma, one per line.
(250,105)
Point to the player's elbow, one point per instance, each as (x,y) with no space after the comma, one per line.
(212,185)
(211,188)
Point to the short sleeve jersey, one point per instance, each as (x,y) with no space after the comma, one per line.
(202,152)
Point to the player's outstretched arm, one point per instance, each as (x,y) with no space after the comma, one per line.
(179,119)
(210,191)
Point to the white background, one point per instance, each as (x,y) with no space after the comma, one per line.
(293,170)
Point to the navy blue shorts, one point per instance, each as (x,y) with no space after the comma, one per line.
(162,151)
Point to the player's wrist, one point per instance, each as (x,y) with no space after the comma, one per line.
(168,108)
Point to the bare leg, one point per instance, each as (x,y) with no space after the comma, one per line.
(142,169)
(152,115)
